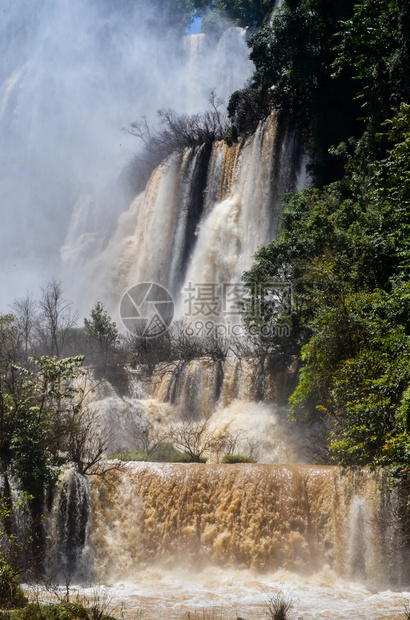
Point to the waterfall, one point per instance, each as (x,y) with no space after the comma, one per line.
(251,186)
(243,397)
(77,73)
(111,246)
(203,213)
(223,64)
(68,528)
(201,218)
(266,517)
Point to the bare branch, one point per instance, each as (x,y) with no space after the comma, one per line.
(196,438)
(140,129)
(26,311)
(176,133)
(56,318)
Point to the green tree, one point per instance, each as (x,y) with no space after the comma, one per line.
(356,372)
(104,354)
(34,400)
(244,13)
(338,68)
(36,411)
(13,553)
(101,328)
(375,43)
(345,250)
(293,56)
(11,349)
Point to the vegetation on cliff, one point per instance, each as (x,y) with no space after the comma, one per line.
(345,250)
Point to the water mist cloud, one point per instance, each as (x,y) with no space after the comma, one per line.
(72,74)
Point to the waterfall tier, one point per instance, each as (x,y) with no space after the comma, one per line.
(201,218)
(266,517)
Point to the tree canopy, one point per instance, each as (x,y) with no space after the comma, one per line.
(337,69)
(345,249)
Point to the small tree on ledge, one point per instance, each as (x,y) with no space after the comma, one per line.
(101,328)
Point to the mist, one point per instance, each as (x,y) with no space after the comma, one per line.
(73,73)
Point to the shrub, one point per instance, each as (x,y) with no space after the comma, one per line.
(231,136)
(132,455)
(11,594)
(237,458)
(196,438)
(176,133)
(189,458)
(181,131)
(246,109)
(279,605)
(34,611)
(210,613)
(185,345)
(165,453)
(63,611)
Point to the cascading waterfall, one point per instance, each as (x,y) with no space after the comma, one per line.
(201,218)
(76,74)
(246,379)
(265,517)
(72,75)
(223,64)
(248,187)
(68,528)
(243,397)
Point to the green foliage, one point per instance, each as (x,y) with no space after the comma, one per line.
(165,452)
(39,406)
(237,458)
(187,457)
(60,611)
(13,548)
(231,136)
(335,67)
(101,328)
(11,594)
(33,405)
(345,250)
(359,389)
(293,57)
(403,412)
(246,108)
(132,455)
(103,350)
(375,42)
